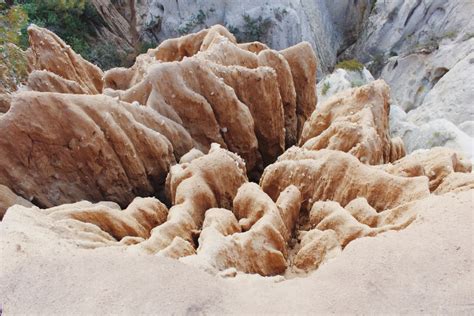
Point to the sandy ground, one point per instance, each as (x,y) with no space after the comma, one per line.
(424,269)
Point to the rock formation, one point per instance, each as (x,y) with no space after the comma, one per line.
(266,95)
(52,137)
(194,188)
(91,225)
(267,227)
(337,176)
(355,121)
(50,53)
(190,123)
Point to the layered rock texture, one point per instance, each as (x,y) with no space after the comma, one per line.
(158,159)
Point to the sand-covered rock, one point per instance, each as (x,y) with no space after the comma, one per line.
(89,225)
(355,121)
(50,53)
(75,147)
(436,163)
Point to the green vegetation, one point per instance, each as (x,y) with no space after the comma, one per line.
(254,29)
(351,65)
(75,21)
(326,87)
(13,63)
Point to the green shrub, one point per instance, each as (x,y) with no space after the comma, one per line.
(326,87)
(253,29)
(351,65)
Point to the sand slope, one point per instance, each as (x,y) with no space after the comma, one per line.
(426,268)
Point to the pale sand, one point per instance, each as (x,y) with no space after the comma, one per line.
(426,268)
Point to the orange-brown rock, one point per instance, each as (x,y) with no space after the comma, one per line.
(122,78)
(262,247)
(258,90)
(8,198)
(316,247)
(303,63)
(332,227)
(176,49)
(206,182)
(217,115)
(337,176)
(136,220)
(75,147)
(50,53)
(355,121)
(46,81)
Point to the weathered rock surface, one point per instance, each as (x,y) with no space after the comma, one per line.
(254,104)
(340,80)
(337,176)
(194,188)
(50,53)
(89,225)
(46,81)
(439,132)
(262,246)
(355,121)
(52,138)
(328,26)
(436,163)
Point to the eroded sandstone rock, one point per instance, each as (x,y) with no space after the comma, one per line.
(337,176)
(355,121)
(75,147)
(46,81)
(262,246)
(206,182)
(436,163)
(50,53)
(91,225)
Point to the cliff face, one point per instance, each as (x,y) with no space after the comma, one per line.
(329,26)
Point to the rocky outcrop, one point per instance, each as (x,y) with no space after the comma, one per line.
(52,137)
(45,81)
(337,176)
(50,53)
(340,80)
(328,26)
(253,104)
(439,132)
(355,121)
(267,226)
(332,227)
(194,188)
